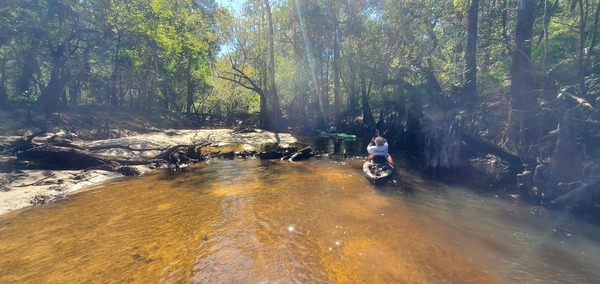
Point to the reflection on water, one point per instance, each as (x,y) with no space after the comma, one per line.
(339,147)
(315,221)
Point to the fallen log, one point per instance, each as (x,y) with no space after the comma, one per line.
(61,158)
(126,147)
(301,155)
(515,162)
(277,153)
(168,152)
(49,156)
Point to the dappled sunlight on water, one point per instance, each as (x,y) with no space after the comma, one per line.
(249,221)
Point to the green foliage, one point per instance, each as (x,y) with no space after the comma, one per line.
(165,53)
(134,49)
(461,6)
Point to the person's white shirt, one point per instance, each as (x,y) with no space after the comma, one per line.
(375,150)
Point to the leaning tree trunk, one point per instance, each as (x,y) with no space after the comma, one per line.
(60,78)
(433,86)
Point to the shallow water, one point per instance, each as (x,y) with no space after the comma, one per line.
(251,221)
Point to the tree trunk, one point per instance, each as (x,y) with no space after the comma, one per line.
(264,120)
(112,88)
(61,77)
(522,127)
(147,90)
(352,101)
(368,119)
(51,94)
(504,17)
(75,92)
(3,92)
(580,55)
(191,89)
(26,74)
(352,61)
(469,92)
(336,73)
(324,83)
(319,104)
(276,114)
(166,95)
(594,31)
(190,96)
(565,164)
(433,86)
(546,40)
(414,139)
(399,107)
(3,96)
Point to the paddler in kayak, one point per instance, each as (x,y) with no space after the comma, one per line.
(379,166)
(378,149)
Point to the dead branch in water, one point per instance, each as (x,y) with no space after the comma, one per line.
(582,193)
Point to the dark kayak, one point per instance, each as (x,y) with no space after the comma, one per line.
(379,172)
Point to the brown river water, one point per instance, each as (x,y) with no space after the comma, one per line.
(315,221)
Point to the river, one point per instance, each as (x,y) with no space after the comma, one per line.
(314,221)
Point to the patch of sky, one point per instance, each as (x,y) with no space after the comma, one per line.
(235,6)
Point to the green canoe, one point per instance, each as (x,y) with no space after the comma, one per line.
(346,136)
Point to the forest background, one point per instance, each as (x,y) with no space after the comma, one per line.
(517,79)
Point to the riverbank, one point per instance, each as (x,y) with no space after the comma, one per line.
(20,188)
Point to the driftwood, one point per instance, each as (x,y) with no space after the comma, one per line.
(37,182)
(582,193)
(51,151)
(277,153)
(190,152)
(291,154)
(515,162)
(301,155)
(58,153)
(61,158)
(126,147)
